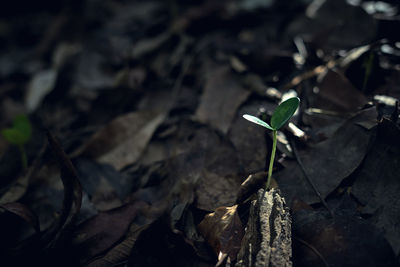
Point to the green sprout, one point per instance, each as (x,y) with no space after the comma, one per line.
(281,115)
(19,134)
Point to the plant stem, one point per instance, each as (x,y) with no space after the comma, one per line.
(271,161)
(24,158)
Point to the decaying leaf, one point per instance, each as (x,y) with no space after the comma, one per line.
(346,148)
(120,252)
(224,231)
(72,197)
(24,212)
(103,231)
(248,139)
(106,187)
(159,246)
(336,93)
(41,85)
(221,97)
(46,248)
(377,184)
(251,185)
(340,241)
(20,186)
(207,160)
(124,139)
(330,28)
(18,224)
(213,190)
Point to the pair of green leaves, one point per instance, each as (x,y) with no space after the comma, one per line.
(281,115)
(20,132)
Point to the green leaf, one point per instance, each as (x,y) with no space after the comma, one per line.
(257,121)
(23,125)
(284,112)
(21,131)
(14,136)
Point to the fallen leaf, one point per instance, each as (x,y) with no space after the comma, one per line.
(221,97)
(328,162)
(159,246)
(213,190)
(53,236)
(223,230)
(340,241)
(336,93)
(250,140)
(106,187)
(89,73)
(251,185)
(100,233)
(377,184)
(24,212)
(20,186)
(120,253)
(334,25)
(41,84)
(147,46)
(17,226)
(217,169)
(124,139)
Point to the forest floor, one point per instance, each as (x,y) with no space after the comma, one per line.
(137,130)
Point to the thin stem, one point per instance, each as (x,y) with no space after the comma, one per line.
(271,161)
(24,158)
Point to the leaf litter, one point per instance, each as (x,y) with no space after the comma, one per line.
(146,100)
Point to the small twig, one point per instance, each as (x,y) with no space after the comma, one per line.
(296,154)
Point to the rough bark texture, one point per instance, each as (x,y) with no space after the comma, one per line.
(267,241)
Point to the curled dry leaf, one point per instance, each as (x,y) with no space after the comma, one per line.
(24,212)
(72,196)
(49,248)
(223,231)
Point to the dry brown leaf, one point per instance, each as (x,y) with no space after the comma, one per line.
(103,231)
(124,139)
(337,93)
(328,162)
(223,231)
(24,212)
(72,201)
(213,190)
(221,97)
(377,184)
(340,241)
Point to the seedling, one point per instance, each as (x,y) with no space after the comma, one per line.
(19,134)
(280,116)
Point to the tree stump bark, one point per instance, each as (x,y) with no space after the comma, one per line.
(267,241)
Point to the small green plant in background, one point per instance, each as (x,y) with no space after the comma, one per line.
(281,115)
(19,134)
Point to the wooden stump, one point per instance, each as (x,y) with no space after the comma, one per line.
(267,241)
